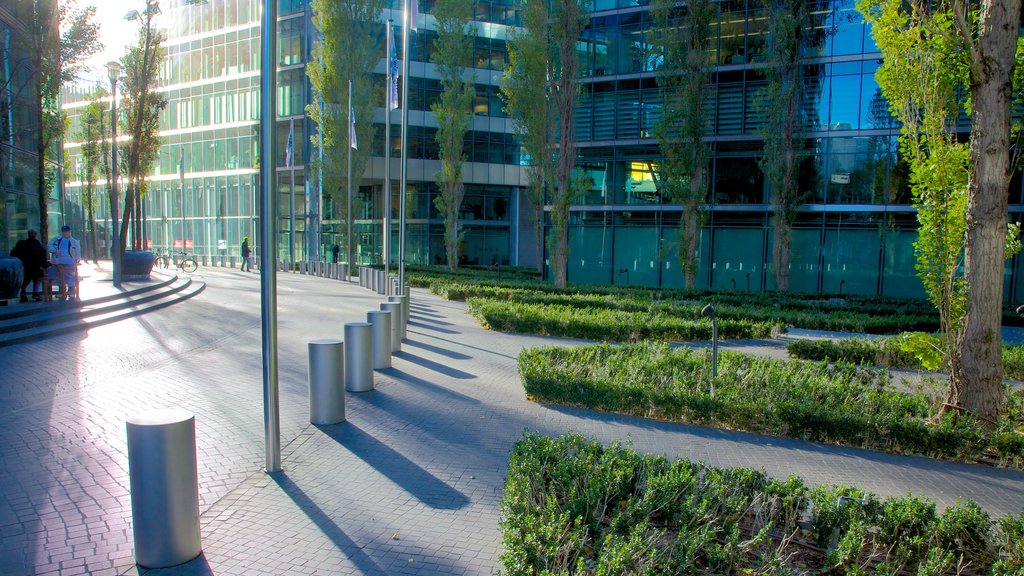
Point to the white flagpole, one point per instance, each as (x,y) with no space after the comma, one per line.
(406,19)
(386,240)
(318,234)
(291,191)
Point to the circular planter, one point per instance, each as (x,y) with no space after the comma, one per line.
(136,265)
(12,274)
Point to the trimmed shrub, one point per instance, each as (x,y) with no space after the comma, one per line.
(572,506)
(839,403)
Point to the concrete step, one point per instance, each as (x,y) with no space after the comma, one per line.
(67,316)
(34,309)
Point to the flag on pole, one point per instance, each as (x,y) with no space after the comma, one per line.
(289,152)
(392,70)
(414,9)
(352,127)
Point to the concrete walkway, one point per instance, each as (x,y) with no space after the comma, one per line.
(410,484)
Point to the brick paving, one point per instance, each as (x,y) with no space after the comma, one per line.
(410,484)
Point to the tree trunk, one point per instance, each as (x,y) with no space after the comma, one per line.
(561,256)
(538,234)
(451,231)
(43,195)
(781,253)
(92,232)
(980,364)
(689,233)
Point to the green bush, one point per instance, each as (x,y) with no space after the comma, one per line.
(887,353)
(603,323)
(838,403)
(572,506)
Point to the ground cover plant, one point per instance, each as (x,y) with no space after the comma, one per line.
(887,353)
(838,403)
(572,506)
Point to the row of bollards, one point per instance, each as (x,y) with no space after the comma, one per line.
(162,468)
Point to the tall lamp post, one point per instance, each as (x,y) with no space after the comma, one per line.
(113,72)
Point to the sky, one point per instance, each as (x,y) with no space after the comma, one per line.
(115,32)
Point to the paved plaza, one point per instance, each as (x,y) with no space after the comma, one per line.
(410,484)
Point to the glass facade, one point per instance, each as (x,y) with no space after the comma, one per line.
(210,76)
(855,234)
(19,129)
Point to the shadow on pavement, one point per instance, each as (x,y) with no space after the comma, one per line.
(426,487)
(427,385)
(330,529)
(434,328)
(196,567)
(435,366)
(437,350)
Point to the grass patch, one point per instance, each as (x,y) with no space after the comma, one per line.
(838,403)
(573,506)
(886,353)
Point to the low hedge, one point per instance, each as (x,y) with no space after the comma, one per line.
(886,353)
(606,324)
(572,506)
(837,403)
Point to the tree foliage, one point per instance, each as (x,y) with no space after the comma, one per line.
(789,30)
(452,51)
(930,54)
(348,48)
(63,38)
(527,94)
(683,40)
(140,118)
(93,138)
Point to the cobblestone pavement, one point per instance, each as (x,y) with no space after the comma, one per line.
(410,484)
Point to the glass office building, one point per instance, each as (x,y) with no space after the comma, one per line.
(854,235)
(210,76)
(19,128)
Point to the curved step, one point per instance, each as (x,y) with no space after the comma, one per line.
(21,311)
(76,319)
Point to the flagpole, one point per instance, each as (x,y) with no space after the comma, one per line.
(320,182)
(406,18)
(386,244)
(182,172)
(349,253)
(291,191)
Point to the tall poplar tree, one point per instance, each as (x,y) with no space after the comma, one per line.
(63,39)
(683,40)
(789,28)
(452,52)
(349,47)
(141,108)
(528,102)
(973,45)
(92,137)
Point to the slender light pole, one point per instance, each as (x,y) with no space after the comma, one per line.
(386,244)
(113,72)
(268,237)
(406,24)
(350,253)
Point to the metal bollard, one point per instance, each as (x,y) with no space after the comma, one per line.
(396,327)
(326,381)
(358,357)
(401,300)
(380,322)
(408,302)
(362,277)
(382,283)
(164,486)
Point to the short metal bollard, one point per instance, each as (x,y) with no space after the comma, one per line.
(326,381)
(164,486)
(362,277)
(403,302)
(396,327)
(380,322)
(408,302)
(358,357)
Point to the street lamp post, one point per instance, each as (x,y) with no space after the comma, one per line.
(113,72)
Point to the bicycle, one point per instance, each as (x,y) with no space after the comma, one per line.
(182,260)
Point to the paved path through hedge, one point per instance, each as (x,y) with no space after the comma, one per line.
(409,485)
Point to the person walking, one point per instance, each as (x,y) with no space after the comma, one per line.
(335,252)
(67,253)
(33,258)
(246,266)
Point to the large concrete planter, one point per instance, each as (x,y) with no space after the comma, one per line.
(12,274)
(136,265)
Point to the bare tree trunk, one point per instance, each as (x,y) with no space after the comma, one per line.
(981,368)
(781,253)
(689,232)
(92,231)
(561,256)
